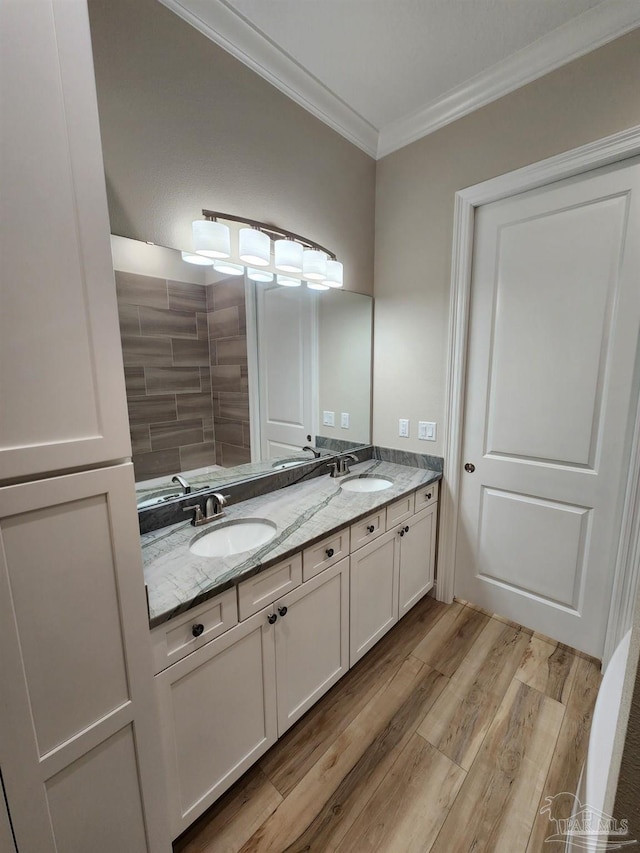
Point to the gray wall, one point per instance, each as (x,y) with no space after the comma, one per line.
(185,126)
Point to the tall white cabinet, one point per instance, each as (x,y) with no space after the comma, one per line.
(78,730)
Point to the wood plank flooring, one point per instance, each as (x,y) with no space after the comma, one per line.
(447,737)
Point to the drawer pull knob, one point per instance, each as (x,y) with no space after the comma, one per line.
(401,532)
(428,496)
(406,530)
(330,552)
(196,630)
(282,611)
(370,528)
(271,618)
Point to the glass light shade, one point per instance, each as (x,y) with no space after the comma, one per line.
(288,255)
(259,275)
(334,274)
(212,239)
(286,281)
(254,247)
(228,268)
(200,260)
(314,264)
(317,285)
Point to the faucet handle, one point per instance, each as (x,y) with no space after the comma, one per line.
(198,516)
(222,499)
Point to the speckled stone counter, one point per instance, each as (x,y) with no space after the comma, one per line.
(304,514)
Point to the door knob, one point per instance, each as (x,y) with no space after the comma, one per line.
(469,467)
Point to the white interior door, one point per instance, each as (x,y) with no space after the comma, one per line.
(286,320)
(552,360)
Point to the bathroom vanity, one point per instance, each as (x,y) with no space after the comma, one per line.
(245,644)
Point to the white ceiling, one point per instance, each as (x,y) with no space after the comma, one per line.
(386,72)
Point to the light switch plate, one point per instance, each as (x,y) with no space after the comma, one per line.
(329,418)
(403,427)
(426,431)
(344,420)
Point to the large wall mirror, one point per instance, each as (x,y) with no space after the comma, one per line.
(228,378)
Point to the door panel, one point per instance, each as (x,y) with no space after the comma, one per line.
(554,322)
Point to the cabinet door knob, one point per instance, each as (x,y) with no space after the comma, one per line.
(330,552)
(469,467)
(370,528)
(401,532)
(428,496)
(282,611)
(196,630)
(271,618)
(406,530)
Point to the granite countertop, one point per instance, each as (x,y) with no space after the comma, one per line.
(304,513)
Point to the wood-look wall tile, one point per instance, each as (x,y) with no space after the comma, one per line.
(176,380)
(228,292)
(146,352)
(228,455)
(242,320)
(246,433)
(187,296)
(197,456)
(173,324)
(395,818)
(230,432)
(156,464)
(134,381)
(175,434)
(234,406)
(452,637)
(205,379)
(492,812)
(140,439)
(128,319)
(202,326)
(226,377)
(151,410)
(223,323)
(141,290)
(194,406)
(208,431)
(188,352)
(231,350)
(209,294)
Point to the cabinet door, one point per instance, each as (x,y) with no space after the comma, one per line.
(61,375)
(374,592)
(218,716)
(312,641)
(6,837)
(78,716)
(417,556)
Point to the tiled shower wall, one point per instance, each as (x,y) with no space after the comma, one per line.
(185,358)
(229,382)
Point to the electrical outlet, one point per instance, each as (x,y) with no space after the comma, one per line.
(403,427)
(426,431)
(329,418)
(344,420)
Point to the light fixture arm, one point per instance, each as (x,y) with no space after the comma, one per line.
(270,230)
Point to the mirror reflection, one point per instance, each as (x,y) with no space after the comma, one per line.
(228,378)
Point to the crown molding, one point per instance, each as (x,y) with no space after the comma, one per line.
(592,29)
(224,26)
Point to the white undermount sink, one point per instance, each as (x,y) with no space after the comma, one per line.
(363,483)
(233,537)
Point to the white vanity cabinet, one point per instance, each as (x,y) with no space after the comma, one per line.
(218,716)
(374,593)
(416,558)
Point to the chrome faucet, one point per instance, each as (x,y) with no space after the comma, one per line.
(186,488)
(316,453)
(213,509)
(341,466)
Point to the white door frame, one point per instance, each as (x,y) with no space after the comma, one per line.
(602,152)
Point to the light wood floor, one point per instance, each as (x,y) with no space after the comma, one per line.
(446,737)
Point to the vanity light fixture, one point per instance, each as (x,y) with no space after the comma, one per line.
(193,258)
(211,239)
(292,253)
(228,268)
(317,285)
(287,281)
(259,275)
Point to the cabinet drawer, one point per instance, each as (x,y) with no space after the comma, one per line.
(426,496)
(368,529)
(399,510)
(176,639)
(264,588)
(324,554)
